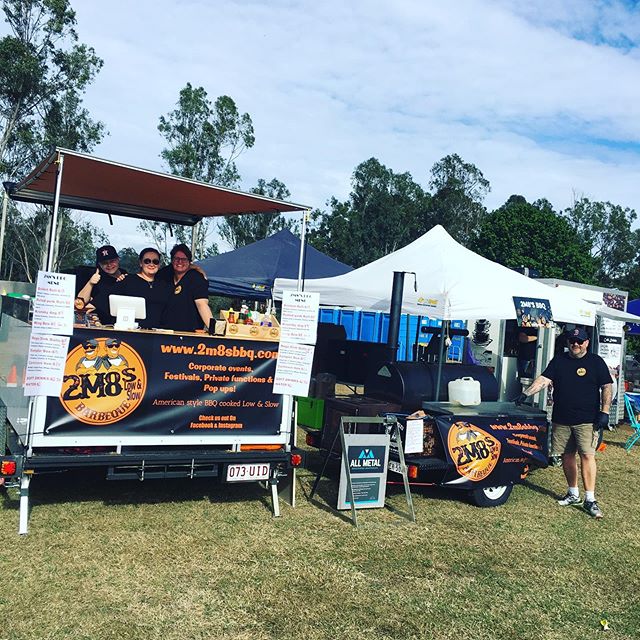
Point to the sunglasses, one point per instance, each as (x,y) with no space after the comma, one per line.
(576,341)
(180,259)
(151,261)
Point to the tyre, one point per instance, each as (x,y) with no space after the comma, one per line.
(491,496)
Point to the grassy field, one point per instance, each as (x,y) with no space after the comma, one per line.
(192,559)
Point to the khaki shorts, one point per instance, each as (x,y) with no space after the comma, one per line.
(569,439)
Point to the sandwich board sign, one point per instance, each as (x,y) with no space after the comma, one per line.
(365,462)
(364,471)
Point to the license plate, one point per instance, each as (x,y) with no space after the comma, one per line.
(248,472)
(395,467)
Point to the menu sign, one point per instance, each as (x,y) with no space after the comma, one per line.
(293,371)
(45,365)
(299,318)
(53,306)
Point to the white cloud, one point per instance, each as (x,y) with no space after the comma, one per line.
(531,91)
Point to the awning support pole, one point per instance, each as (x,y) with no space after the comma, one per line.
(193,241)
(3,223)
(303,249)
(54,219)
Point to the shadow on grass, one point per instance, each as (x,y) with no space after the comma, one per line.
(541,490)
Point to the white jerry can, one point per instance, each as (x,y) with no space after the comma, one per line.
(465,391)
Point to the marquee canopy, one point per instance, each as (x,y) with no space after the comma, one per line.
(451,283)
(249,272)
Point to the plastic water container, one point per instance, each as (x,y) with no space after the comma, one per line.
(465,391)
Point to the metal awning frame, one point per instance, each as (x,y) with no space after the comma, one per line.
(146,194)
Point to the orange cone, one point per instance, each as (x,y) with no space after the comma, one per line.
(12,378)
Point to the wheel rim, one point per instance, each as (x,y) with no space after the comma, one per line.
(494,493)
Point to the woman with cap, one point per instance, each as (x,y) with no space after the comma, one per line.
(145,284)
(101,283)
(189,305)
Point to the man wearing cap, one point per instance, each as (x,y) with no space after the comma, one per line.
(100,284)
(188,308)
(582,388)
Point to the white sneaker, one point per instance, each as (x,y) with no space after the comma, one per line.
(569,499)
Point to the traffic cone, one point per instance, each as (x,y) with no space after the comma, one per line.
(12,378)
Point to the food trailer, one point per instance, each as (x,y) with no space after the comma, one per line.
(144,403)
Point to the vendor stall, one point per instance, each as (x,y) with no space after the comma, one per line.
(145,403)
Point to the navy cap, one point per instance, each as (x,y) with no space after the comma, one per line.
(578,334)
(106,253)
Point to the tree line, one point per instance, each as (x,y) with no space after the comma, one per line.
(44,74)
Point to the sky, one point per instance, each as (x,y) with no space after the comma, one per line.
(541,95)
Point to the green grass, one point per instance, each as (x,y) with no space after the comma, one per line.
(195,559)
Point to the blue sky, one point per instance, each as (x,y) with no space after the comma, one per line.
(542,96)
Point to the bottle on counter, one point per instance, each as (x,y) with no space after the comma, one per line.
(231,316)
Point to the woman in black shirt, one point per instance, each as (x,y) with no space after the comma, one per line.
(144,284)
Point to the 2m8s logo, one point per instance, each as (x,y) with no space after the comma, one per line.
(104,381)
(474,451)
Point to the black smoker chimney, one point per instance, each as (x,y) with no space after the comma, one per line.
(394,314)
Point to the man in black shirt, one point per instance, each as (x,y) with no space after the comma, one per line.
(527,344)
(95,285)
(582,388)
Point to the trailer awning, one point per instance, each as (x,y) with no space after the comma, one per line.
(94,184)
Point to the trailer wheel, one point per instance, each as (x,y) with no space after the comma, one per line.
(491,496)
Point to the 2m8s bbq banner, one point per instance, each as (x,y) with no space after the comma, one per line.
(128,383)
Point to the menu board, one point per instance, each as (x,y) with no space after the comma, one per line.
(53,307)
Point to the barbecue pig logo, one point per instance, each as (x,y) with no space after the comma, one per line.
(104,381)
(474,451)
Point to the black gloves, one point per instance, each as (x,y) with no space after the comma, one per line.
(521,399)
(601,421)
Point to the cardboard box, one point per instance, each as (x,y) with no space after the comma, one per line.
(252,331)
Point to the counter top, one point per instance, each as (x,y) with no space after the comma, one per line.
(483,409)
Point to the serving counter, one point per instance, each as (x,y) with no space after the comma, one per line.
(156,387)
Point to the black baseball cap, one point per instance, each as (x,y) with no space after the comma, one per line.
(577,334)
(106,253)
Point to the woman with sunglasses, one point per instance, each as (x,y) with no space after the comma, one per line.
(144,284)
(189,305)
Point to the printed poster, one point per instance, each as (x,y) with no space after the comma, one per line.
(299,317)
(533,312)
(293,369)
(45,365)
(53,306)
